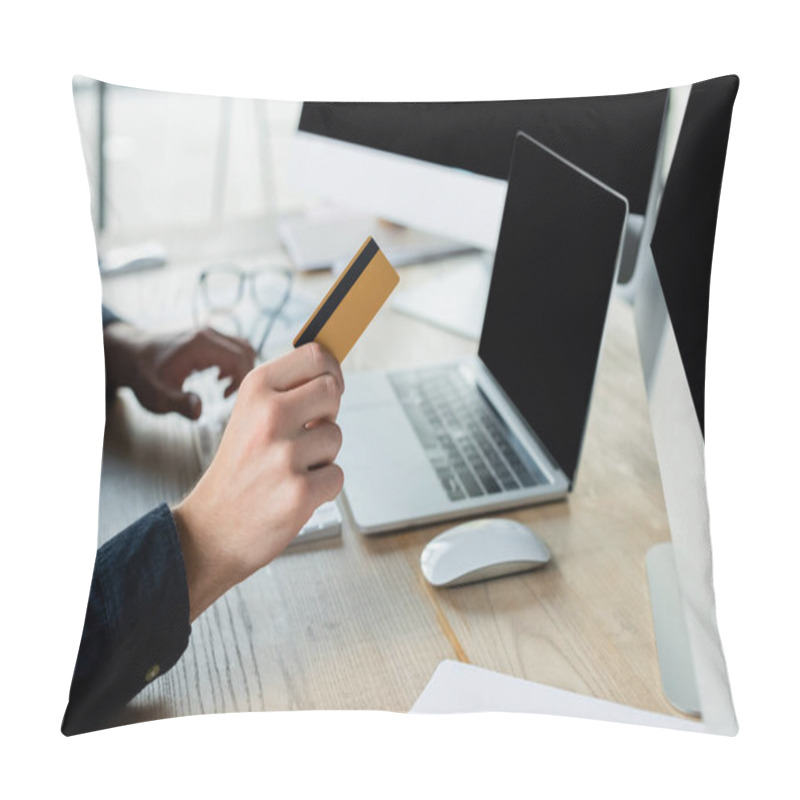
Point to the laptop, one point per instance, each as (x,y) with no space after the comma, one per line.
(503,428)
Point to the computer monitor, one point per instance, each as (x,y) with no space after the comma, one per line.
(443,167)
(669,287)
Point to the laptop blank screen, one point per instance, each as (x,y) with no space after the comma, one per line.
(553,274)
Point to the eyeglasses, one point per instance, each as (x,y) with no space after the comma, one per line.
(222,300)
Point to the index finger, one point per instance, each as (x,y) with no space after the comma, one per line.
(302,365)
(205,348)
(235,343)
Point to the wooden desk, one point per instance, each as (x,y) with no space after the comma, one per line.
(351,624)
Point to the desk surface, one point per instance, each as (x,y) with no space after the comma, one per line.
(350,623)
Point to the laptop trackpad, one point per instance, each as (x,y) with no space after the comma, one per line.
(378,434)
(386,472)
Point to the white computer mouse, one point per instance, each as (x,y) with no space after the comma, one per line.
(482,549)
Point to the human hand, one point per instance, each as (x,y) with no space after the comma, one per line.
(156,365)
(273,468)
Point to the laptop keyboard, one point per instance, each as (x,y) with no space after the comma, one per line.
(466,441)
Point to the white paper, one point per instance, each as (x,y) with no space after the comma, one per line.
(460,688)
(455,301)
(456,203)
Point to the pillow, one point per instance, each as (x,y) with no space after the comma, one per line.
(219,223)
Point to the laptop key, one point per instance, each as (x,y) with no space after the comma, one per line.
(491,485)
(450,484)
(454,491)
(474,489)
(520,470)
(421,425)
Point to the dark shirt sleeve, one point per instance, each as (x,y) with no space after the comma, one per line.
(137,621)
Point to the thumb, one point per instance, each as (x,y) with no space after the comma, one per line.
(187,404)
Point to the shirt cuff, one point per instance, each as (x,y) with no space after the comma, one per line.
(137,621)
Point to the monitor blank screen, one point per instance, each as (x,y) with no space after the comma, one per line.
(613,137)
(554,269)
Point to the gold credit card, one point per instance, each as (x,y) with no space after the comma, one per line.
(351,303)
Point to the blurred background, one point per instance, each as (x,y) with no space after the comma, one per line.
(184,171)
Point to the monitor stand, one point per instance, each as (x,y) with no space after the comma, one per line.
(669,625)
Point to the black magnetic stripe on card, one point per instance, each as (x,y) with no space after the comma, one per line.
(338,294)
